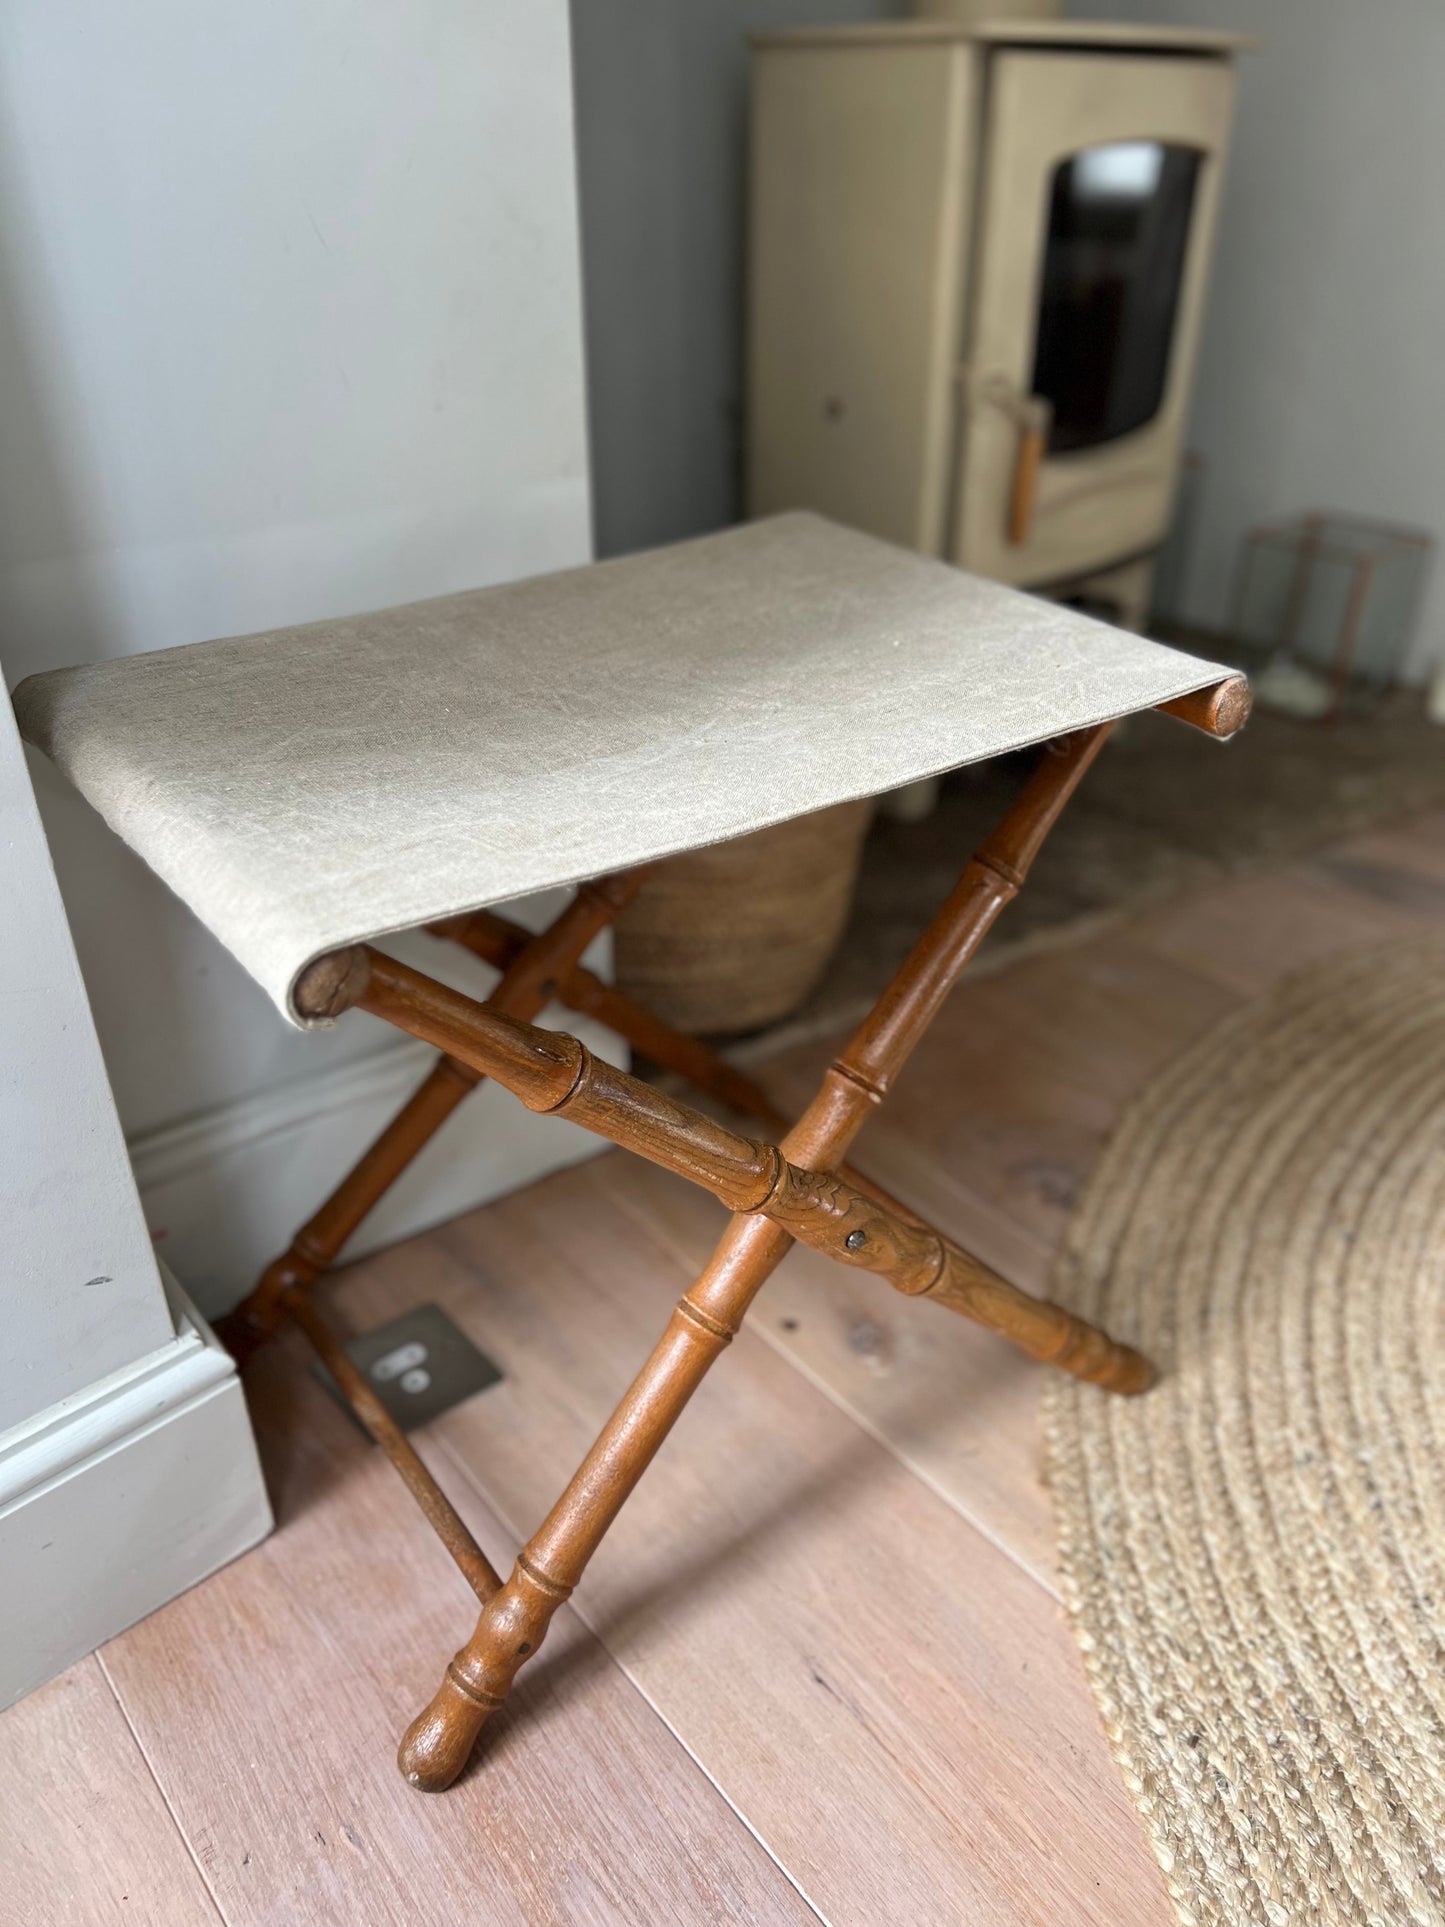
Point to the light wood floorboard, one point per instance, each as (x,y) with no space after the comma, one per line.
(270,1700)
(1252,931)
(865,1677)
(818,1669)
(86,1839)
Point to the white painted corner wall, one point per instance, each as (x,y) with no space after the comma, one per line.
(120,1497)
(127,1466)
(290,325)
(82,1294)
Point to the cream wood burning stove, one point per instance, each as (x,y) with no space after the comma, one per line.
(978,264)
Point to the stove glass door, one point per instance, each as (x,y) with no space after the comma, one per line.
(1117,240)
(1099,186)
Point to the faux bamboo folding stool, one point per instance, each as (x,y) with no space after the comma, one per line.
(309,790)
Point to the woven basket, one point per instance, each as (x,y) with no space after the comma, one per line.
(731,938)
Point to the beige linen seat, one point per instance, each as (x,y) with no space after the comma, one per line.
(310,789)
(313,787)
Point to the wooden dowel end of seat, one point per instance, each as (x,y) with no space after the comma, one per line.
(1220,710)
(332,984)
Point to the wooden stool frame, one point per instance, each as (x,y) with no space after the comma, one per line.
(796,1189)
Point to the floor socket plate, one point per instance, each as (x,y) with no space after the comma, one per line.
(419,1365)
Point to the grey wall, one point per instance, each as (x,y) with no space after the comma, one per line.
(1321,378)
(661,92)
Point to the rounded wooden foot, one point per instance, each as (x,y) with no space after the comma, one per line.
(438,1743)
(259,1317)
(513,1624)
(246,1329)
(1131,1373)
(1092,1355)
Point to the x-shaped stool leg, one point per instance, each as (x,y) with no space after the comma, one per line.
(535,969)
(532,969)
(779,1193)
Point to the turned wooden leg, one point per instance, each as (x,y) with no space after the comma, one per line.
(315,1247)
(497,941)
(778,1192)
(513,1624)
(529,978)
(439,1741)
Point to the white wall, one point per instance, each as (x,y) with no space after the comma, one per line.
(127,1466)
(1321,380)
(289,326)
(82,1294)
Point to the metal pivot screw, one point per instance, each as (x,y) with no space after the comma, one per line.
(856,1240)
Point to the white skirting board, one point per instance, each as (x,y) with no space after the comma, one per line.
(224,1193)
(117,1499)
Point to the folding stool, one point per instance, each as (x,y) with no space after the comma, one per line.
(309,790)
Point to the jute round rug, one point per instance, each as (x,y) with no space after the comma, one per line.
(1254,1552)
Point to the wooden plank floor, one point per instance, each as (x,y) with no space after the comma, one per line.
(817,1671)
